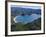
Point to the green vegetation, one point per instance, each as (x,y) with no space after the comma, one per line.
(35,25)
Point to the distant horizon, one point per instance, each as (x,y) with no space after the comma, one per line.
(32,7)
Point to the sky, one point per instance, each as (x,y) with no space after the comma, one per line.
(33,7)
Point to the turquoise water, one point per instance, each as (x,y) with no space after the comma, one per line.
(26,19)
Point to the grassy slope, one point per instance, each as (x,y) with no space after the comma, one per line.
(35,25)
